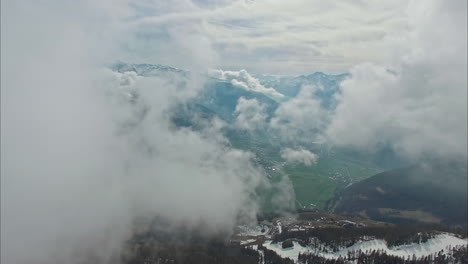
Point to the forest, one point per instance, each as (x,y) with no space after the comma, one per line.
(395,235)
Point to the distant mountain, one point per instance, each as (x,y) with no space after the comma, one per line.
(218,99)
(221,96)
(218,96)
(145,69)
(291,85)
(434,193)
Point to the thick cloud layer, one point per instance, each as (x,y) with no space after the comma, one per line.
(417,103)
(294,37)
(86,152)
(413,102)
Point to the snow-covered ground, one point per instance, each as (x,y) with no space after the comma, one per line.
(261,259)
(254,230)
(280,229)
(434,245)
(248,241)
(292,252)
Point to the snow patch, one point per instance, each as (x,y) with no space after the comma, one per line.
(433,245)
(248,241)
(280,229)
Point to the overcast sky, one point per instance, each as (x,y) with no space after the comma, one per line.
(271,36)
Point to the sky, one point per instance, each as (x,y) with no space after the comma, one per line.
(271,36)
(82,160)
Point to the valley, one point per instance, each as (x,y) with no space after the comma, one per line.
(234,132)
(345,204)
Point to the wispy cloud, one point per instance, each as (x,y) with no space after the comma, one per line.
(86,152)
(246,81)
(250,114)
(298,36)
(417,101)
(297,156)
(301,118)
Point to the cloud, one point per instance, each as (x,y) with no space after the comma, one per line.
(293,38)
(413,102)
(416,103)
(301,118)
(87,152)
(250,114)
(284,197)
(246,81)
(128,78)
(299,156)
(406,60)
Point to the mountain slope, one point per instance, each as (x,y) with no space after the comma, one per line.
(435,193)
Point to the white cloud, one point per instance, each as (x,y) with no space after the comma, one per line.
(299,156)
(128,78)
(250,114)
(246,81)
(295,37)
(79,166)
(416,102)
(422,44)
(81,162)
(300,118)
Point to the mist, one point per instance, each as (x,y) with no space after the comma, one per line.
(87,152)
(416,101)
(90,154)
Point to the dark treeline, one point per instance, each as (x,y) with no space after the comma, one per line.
(216,253)
(270,257)
(186,246)
(208,253)
(456,255)
(189,253)
(334,238)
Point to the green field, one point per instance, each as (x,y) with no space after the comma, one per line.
(314,184)
(318,183)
